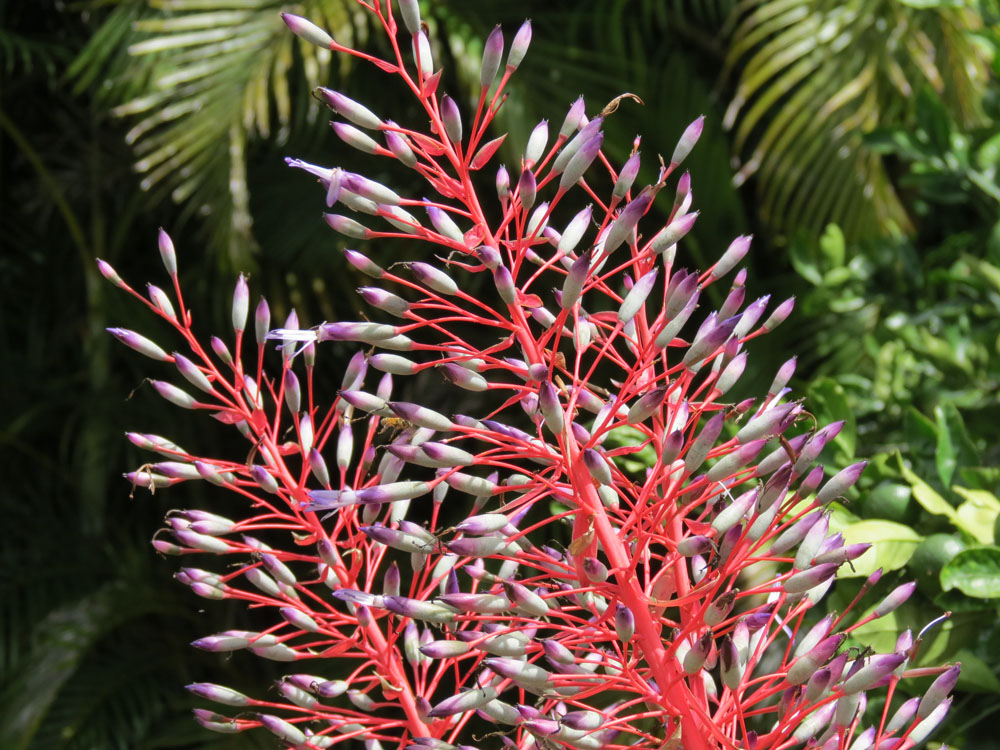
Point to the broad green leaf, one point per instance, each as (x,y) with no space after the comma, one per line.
(975,572)
(832,245)
(954,447)
(931,501)
(892,546)
(978,513)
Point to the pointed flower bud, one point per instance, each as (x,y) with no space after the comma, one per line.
(470,700)
(307,30)
(526,187)
(895,598)
(624,623)
(636,296)
(574,119)
(519,47)
(139,343)
(581,161)
(687,142)
(840,482)
(451,118)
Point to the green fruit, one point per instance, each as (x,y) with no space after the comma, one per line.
(932,554)
(890,500)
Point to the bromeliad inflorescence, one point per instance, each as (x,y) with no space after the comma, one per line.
(507,577)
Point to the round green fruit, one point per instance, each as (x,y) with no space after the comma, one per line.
(932,554)
(891,501)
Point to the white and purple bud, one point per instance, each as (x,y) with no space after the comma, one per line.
(574,231)
(737,249)
(139,343)
(218,694)
(480,525)
(307,31)
(282,729)
(623,227)
(537,142)
(523,673)
(771,422)
(346,226)
(840,482)
(525,600)
(799,583)
(470,700)
(573,284)
(673,233)
(625,178)
(581,160)
(519,47)
(162,302)
(418,610)
(673,443)
(299,619)
(597,466)
(636,296)
(734,513)
(575,118)
(363,264)
(430,276)
(451,118)
(877,668)
(595,570)
(730,665)
(781,312)
(698,654)
(704,443)
(421,416)
(811,543)
(708,342)
(350,109)
(410,11)
(895,598)
(503,184)
(484,546)
(795,533)
(646,405)
(399,146)
(526,188)
(110,274)
(492,52)
(938,691)
(624,623)
(687,142)
(923,730)
(694,545)
(174,395)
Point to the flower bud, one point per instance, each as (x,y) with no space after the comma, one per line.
(523,673)
(218,694)
(537,141)
(624,623)
(636,297)
(410,11)
(840,482)
(307,30)
(451,118)
(526,187)
(687,142)
(878,667)
(597,466)
(485,546)
(421,416)
(799,583)
(525,600)
(734,513)
(423,58)
(573,285)
(519,46)
(141,344)
(346,226)
(470,700)
(492,52)
(938,691)
(581,160)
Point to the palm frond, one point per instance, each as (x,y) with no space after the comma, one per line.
(813,76)
(200,81)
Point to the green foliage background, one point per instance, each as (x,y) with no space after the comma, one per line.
(857,139)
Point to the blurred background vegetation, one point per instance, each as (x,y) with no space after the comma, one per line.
(858,139)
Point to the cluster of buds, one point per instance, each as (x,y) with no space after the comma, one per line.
(503,578)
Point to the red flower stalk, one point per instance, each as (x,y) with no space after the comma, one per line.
(647,628)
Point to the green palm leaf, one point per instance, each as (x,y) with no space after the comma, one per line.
(813,76)
(200,79)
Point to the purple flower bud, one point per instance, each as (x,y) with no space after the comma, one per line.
(307,30)
(597,466)
(625,178)
(734,513)
(350,109)
(938,691)
(393,492)
(799,583)
(470,700)
(621,229)
(537,141)
(141,344)
(879,666)
(487,523)
(687,142)
(218,694)
(672,233)
(770,422)
(503,183)
(519,46)
(492,52)
(928,725)
(421,416)
(573,285)
(526,187)
(842,481)
(595,570)
(694,545)
(523,673)
(733,255)
(707,342)
(624,623)
(696,656)
(174,395)
(418,610)
(781,312)
(730,668)
(895,598)
(433,278)
(575,118)
(282,729)
(363,264)
(525,600)
(486,546)
(581,160)
(110,273)
(733,462)
(481,603)
(410,11)
(451,118)
(346,226)
(162,302)
(903,716)
(636,297)
(222,642)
